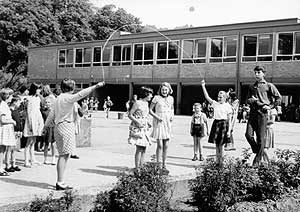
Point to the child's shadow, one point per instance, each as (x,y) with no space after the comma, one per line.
(27,183)
(115,170)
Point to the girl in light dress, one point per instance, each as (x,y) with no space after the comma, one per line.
(139,127)
(221,127)
(34,124)
(7,134)
(163,105)
(270,132)
(199,129)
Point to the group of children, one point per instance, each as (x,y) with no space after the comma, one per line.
(142,133)
(225,114)
(22,116)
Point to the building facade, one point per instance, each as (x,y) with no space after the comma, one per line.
(223,55)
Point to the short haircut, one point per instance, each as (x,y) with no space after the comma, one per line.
(32,89)
(67,85)
(145,91)
(259,68)
(197,104)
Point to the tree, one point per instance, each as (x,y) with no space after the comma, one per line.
(108,19)
(27,23)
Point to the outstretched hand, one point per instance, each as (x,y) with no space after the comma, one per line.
(100,84)
(203,82)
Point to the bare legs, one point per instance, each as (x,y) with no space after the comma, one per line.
(46,152)
(2,150)
(197,148)
(139,156)
(162,149)
(29,151)
(219,154)
(61,167)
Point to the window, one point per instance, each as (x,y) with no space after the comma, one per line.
(288,46)
(167,52)
(121,55)
(223,49)
(101,58)
(65,58)
(216,50)
(83,57)
(257,47)
(194,51)
(143,54)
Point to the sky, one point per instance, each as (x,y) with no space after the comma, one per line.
(174,13)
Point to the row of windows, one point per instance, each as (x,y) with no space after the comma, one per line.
(255,47)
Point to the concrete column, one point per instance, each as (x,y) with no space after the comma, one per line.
(178,101)
(130,94)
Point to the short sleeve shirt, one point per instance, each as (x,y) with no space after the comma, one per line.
(221,111)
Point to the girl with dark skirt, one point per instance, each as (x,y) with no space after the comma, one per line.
(221,127)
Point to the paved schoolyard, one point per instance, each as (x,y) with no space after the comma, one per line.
(99,165)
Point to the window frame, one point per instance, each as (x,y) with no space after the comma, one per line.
(223,58)
(257,55)
(167,60)
(143,61)
(83,63)
(294,54)
(121,62)
(66,64)
(194,58)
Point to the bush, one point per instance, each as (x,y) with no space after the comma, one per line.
(145,190)
(217,188)
(67,203)
(289,167)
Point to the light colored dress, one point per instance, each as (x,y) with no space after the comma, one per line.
(140,136)
(34,117)
(163,109)
(7,133)
(270,131)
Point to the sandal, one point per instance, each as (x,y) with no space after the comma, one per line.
(4,173)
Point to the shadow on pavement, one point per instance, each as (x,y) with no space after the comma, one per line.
(117,168)
(183,165)
(174,157)
(100,172)
(27,183)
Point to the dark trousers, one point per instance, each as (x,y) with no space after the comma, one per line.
(257,123)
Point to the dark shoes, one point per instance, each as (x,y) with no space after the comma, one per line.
(62,187)
(4,173)
(12,169)
(74,156)
(195,158)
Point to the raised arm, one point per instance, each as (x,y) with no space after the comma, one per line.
(84,92)
(207,97)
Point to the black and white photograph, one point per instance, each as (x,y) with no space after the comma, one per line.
(149,106)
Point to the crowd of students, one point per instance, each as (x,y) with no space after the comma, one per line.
(55,117)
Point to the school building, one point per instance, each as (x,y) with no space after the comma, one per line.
(223,55)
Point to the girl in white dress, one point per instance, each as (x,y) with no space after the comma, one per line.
(139,127)
(7,134)
(163,105)
(34,123)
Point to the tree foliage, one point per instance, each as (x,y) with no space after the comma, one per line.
(27,23)
(108,19)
